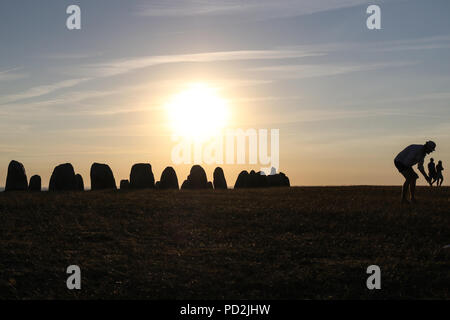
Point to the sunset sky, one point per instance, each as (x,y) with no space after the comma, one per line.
(345,99)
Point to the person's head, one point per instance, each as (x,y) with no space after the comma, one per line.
(431,160)
(440,162)
(430,146)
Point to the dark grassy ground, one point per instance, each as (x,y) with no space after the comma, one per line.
(296,243)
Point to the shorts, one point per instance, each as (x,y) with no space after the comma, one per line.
(407,172)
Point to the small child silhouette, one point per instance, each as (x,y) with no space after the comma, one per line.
(432,171)
(439,176)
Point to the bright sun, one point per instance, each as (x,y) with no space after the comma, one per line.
(197,112)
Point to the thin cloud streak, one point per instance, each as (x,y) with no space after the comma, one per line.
(117,67)
(39,91)
(9,75)
(308,71)
(257,8)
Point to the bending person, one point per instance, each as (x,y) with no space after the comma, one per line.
(406,159)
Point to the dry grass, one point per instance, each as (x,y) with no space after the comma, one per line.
(296,243)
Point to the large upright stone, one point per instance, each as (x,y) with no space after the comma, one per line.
(35,184)
(251,180)
(79,183)
(260,180)
(102,177)
(169,179)
(219,179)
(124,184)
(141,176)
(241,181)
(63,178)
(196,179)
(257,180)
(185,185)
(278,180)
(16,180)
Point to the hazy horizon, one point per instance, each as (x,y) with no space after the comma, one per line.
(345,99)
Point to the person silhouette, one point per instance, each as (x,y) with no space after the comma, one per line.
(432,171)
(406,159)
(439,176)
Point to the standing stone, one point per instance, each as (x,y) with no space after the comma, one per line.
(278,180)
(141,176)
(260,180)
(209,185)
(102,177)
(242,180)
(169,179)
(197,178)
(257,180)
(35,183)
(16,180)
(79,183)
(252,180)
(124,184)
(185,185)
(63,178)
(157,185)
(219,179)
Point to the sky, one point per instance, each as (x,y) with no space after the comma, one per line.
(345,99)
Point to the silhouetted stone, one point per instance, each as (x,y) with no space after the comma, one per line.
(278,180)
(158,185)
(141,176)
(242,180)
(16,180)
(169,179)
(79,183)
(185,185)
(102,177)
(124,184)
(35,183)
(219,179)
(209,185)
(63,178)
(196,179)
(255,180)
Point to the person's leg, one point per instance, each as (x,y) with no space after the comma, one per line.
(405,191)
(442,180)
(412,189)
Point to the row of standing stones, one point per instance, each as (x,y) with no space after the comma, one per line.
(64,178)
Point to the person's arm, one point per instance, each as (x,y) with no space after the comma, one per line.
(422,170)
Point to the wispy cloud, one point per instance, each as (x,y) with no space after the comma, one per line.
(257,8)
(11,74)
(116,67)
(308,71)
(428,43)
(72,56)
(39,91)
(121,66)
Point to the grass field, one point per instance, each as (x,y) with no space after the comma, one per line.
(293,243)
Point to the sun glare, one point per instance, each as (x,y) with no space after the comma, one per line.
(198,112)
